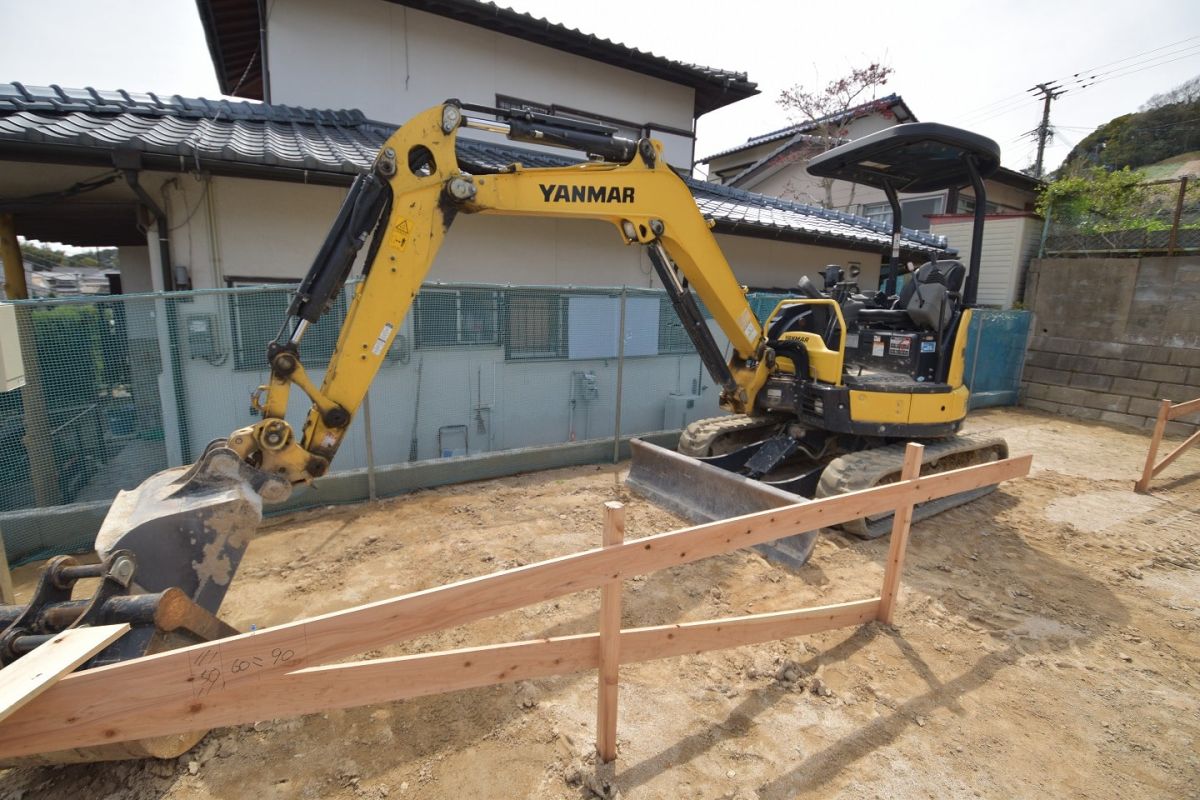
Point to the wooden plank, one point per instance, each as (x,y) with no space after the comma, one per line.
(317,689)
(37,670)
(901,525)
(610,641)
(1183,409)
(1177,452)
(1160,425)
(7,596)
(181,683)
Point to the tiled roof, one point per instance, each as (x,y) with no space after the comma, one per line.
(240,138)
(809,125)
(794,142)
(232,28)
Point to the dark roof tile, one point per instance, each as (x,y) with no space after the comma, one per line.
(341,144)
(887,102)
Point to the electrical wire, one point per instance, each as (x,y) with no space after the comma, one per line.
(1087,86)
(1086,78)
(74,190)
(1099,70)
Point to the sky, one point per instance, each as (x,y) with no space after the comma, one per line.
(959,62)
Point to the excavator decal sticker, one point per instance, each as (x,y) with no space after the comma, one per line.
(562,193)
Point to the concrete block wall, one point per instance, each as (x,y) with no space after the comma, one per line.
(1111,382)
(1114,337)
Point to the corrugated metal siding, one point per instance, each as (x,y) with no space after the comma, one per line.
(1007,244)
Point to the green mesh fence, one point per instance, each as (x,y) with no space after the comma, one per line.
(1154,218)
(121,387)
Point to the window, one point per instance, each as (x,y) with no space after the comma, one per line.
(672,336)
(914,212)
(966,205)
(535,325)
(256,317)
(447,318)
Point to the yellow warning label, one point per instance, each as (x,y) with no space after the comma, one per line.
(400,234)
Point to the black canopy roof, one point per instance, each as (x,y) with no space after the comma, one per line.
(917,157)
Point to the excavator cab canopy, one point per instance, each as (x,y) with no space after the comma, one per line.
(917,157)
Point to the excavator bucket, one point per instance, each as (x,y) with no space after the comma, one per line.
(701,493)
(188,527)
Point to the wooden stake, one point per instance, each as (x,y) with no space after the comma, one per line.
(1164,413)
(7,596)
(610,640)
(901,524)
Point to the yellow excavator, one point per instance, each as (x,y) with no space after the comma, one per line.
(819,399)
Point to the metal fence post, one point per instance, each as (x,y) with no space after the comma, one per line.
(620,377)
(370,446)
(1174,240)
(1045,230)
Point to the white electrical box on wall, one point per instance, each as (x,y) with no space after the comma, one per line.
(12,368)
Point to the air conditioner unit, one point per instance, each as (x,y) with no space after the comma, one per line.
(680,410)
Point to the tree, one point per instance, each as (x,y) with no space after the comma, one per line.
(1186,92)
(824,111)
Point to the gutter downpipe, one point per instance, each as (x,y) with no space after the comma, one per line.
(164,255)
(262,51)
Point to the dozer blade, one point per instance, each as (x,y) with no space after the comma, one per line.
(701,493)
(189,526)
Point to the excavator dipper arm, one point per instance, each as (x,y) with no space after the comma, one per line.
(410,197)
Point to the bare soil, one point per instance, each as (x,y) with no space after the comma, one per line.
(1046,646)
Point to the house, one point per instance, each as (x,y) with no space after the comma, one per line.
(774,163)
(210,195)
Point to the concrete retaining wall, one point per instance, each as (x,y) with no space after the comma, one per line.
(1113,338)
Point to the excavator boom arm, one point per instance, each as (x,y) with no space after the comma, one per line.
(409,199)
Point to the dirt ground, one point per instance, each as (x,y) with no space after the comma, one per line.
(1046,646)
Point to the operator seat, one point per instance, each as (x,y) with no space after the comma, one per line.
(927,300)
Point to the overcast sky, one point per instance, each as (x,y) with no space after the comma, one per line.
(960,62)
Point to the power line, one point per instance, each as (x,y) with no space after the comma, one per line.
(1128,58)
(1087,86)
(1086,78)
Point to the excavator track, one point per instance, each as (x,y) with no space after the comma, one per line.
(866,468)
(714,436)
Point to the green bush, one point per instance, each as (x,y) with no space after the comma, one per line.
(69,354)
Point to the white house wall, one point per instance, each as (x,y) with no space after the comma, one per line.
(1008,244)
(763,262)
(393,62)
(520,403)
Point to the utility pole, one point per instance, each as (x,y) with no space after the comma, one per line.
(1048,92)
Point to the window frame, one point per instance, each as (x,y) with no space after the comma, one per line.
(426,294)
(244,357)
(557,329)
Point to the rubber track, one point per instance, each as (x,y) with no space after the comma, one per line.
(867,468)
(698,437)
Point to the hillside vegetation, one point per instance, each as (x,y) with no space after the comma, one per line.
(1167,125)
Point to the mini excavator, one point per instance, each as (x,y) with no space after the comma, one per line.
(820,399)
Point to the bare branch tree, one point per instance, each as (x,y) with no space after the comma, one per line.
(825,109)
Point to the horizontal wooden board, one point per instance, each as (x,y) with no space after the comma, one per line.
(102,705)
(37,670)
(1183,409)
(317,689)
